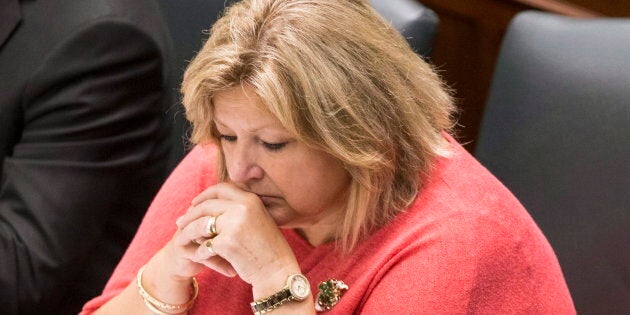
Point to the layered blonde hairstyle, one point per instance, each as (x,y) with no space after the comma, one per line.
(343,81)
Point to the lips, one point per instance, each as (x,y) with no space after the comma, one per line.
(266,200)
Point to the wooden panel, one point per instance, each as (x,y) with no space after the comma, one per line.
(467,45)
(617,8)
(559,7)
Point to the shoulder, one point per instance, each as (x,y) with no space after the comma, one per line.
(47,23)
(460,188)
(58,39)
(191,176)
(196,170)
(466,244)
(194,174)
(463,205)
(55,35)
(63,17)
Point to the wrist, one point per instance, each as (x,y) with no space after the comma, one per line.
(272,282)
(171,289)
(294,296)
(160,306)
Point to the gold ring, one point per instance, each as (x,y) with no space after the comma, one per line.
(197,241)
(208,244)
(211,227)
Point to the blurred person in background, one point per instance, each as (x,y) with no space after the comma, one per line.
(83,135)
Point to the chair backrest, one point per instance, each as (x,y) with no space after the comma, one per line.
(556,131)
(188,22)
(417,23)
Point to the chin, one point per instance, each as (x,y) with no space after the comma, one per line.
(281,220)
(288,221)
(280,211)
(279,216)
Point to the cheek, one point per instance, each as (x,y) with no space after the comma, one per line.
(315,187)
(298,188)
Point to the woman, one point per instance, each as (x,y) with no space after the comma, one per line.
(325,180)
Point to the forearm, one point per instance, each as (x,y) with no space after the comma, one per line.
(50,224)
(43,249)
(10,247)
(127,302)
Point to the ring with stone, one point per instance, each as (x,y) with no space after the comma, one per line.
(208,244)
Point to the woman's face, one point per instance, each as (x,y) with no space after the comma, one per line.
(299,186)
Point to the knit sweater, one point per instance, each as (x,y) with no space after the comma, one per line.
(466,245)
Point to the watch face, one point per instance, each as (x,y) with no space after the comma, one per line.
(299,287)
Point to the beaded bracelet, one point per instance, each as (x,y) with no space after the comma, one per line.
(160,308)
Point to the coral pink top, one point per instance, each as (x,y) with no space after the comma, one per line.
(466,245)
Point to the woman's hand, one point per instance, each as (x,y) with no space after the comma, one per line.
(248,242)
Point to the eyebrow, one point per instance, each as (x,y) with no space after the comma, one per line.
(252,130)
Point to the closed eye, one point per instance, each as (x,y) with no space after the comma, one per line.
(227,138)
(274,146)
(269,146)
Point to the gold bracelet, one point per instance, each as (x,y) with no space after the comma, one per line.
(161,306)
(154,308)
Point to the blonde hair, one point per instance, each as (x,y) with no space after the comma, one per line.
(343,81)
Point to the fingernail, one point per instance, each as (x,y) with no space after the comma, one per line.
(179,221)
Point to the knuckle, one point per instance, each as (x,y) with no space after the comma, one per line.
(227,244)
(243,207)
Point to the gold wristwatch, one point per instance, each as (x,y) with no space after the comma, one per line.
(296,289)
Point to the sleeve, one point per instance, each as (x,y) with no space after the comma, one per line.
(188,179)
(91,146)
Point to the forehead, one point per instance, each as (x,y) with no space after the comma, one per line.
(240,96)
(241,105)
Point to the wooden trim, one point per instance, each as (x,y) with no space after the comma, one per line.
(560,7)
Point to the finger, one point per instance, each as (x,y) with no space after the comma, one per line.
(207,255)
(184,218)
(205,251)
(198,230)
(211,207)
(221,191)
(188,251)
(219,265)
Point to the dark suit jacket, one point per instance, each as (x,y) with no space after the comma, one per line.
(83,143)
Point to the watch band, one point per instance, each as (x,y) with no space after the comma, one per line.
(270,303)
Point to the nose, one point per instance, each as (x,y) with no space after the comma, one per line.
(242,166)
